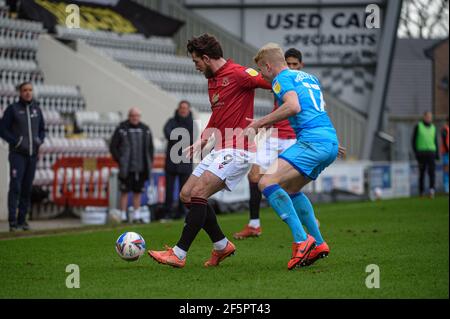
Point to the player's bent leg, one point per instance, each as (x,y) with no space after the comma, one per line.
(185,193)
(306,214)
(303,206)
(212,228)
(283,173)
(202,188)
(282,204)
(222,247)
(310,159)
(255,174)
(207,185)
(253,228)
(294,186)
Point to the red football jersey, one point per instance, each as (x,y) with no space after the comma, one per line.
(231,94)
(285,130)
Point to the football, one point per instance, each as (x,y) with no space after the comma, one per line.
(130,246)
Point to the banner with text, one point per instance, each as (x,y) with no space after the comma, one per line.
(324,35)
(122,17)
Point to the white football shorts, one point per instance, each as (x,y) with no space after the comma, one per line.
(230,165)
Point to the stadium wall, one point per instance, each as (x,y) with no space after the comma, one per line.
(105,83)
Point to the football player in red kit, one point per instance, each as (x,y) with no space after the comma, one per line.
(231,89)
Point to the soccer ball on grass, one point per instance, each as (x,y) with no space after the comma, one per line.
(130,246)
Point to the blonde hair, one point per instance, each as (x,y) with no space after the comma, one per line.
(270,52)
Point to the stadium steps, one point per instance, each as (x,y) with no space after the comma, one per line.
(106,84)
(154,60)
(62,105)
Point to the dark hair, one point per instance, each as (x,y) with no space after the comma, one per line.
(293,53)
(205,45)
(184,101)
(21,85)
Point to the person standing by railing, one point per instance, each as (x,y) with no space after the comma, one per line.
(132,148)
(425,146)
(23,128)
(177,165)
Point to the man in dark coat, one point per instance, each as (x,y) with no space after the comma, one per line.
(179,134)
(132,148)
(22,127)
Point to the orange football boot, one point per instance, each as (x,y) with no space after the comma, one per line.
(167,257)
(248,232)
(300,252)
(320,251)
(218,255)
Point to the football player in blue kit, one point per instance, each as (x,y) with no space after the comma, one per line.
(301,101)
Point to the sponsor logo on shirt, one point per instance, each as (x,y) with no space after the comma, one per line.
(226,159)
(252,72)
(215,98)
(276,88)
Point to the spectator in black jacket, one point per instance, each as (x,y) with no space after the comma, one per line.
(425,146)
(23,128)
(179,134)
(132,148)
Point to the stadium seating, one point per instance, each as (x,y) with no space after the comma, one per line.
(95,124)
(135,42)
(63,106)
(154,59)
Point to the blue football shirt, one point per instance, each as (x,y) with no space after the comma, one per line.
(312,122)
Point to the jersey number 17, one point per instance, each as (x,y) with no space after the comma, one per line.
(313,89)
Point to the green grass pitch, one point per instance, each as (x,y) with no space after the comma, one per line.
(408,239)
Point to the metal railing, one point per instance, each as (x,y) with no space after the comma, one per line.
(350,125)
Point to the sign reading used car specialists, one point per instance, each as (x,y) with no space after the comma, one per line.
(325,35)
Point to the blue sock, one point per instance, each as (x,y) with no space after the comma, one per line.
(305,212)
(282,204)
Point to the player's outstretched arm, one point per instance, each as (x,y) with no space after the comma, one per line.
(203,140)
(193,149)
(290,107)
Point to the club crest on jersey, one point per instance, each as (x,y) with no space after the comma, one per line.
(225,82)
(276,88)
(252,72)
(34,113)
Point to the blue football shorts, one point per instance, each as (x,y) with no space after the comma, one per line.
(311,158)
